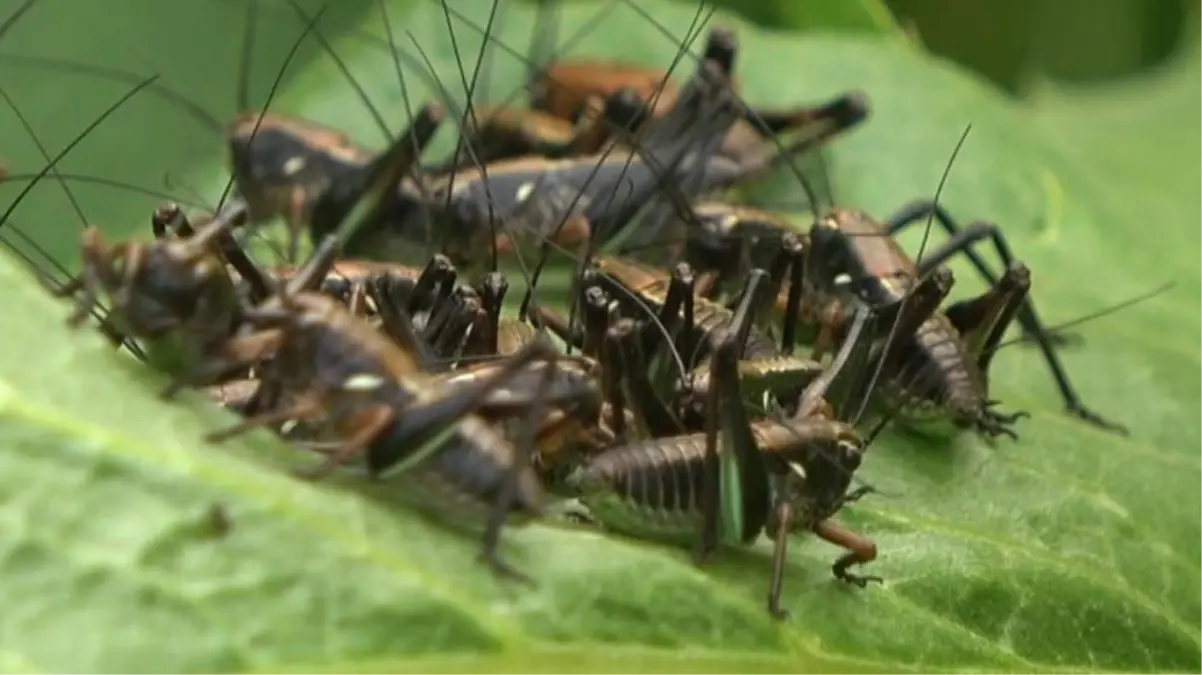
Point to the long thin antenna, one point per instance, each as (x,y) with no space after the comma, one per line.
(880,366)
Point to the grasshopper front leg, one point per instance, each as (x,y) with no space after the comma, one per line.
(981,322)
(860,549)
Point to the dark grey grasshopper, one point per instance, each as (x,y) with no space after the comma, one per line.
(739,476)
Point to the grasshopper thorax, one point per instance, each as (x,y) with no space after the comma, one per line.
(851,252)
(815,487)
(276,159)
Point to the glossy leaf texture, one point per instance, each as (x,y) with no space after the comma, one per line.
(1069,550)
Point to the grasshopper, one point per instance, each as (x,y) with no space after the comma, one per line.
(176,291)
(331,370)
(572,196)
(943,365)
(938,367)
(565,88)
(175,294)
(528,190)
(357,394)
(329,366)
(569,88)
(738,477)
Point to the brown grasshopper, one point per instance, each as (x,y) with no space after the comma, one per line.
(330,370)
(173,294)
(939,367)
(562,88)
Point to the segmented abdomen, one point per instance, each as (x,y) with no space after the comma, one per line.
(467,471)
(648,489)
(934,375)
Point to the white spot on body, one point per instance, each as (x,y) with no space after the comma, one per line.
(362,382)
(294,165)
(523,192)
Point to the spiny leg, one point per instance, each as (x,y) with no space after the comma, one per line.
(492,294)
(783,517)
(419,423)
(666,339)
(919,304)
(611,385)
(678,298)
(395,322)
(981,322)
(961,242)
(732,458)
(452,326)
(435,280)
(792,259)
(627,363)
(596,321)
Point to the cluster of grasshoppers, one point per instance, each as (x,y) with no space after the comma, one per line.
(667,403)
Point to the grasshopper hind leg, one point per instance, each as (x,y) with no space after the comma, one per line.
(961,242)
(731,454)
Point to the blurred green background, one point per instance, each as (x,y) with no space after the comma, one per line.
(1011,41)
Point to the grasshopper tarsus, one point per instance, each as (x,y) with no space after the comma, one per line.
(776,611)
(858,494)
(1092,418)
(702,551)
(1058,339)
(171,390)
(504,570)
(991,424)
(79,316)
(860,580)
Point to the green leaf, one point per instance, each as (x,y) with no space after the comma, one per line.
(1070,550)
